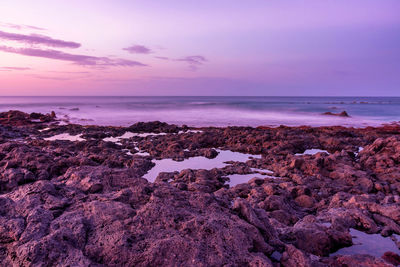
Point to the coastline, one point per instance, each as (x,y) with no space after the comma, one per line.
(213,111)
(88,199)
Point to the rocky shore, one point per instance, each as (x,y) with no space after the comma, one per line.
(85,202)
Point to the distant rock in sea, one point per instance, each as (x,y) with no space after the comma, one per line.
(341,114)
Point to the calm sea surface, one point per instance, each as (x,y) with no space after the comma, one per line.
(213,111)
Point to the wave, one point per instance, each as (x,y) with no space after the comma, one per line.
(208,111)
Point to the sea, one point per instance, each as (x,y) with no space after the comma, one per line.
(216,111)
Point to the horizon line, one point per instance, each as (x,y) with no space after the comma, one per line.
(191,96)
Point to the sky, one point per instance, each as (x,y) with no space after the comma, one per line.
(208,47)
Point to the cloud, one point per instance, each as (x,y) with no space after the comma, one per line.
(69,72)
(53,78)
(163,58)
(37,39)
(13,68)
(83,60)
(138,49)
(193,61)
(20,26)
(63,75)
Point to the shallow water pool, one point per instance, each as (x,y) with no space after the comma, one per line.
(65,137)
(371,244)
(312,151)
(169,165)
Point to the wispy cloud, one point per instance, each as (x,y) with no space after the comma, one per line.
(69,72)
(55,78)
(37,39)
(13,68)
(83,60)
(193,61)
(138,49)
(20,26)
(163,58)
(63,75)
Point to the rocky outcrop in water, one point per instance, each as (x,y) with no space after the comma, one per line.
(341,114)
(18,118)
(86,204)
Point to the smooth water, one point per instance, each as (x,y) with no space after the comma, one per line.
(235,179)
(196,163)
(213,111)
(312,151)
(65,137)
(371,244)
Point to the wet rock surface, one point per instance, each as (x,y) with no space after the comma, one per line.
(341,114)
(86,203)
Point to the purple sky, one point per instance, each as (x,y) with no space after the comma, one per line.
(101,47)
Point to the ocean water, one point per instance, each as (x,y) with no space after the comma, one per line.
(213,111)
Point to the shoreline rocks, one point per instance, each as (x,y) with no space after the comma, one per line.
(341,114)
(85,203)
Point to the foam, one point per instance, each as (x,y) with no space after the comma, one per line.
(65,137)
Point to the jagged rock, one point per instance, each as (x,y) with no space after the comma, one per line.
(69,203)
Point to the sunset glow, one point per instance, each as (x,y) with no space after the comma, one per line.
(199,48)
